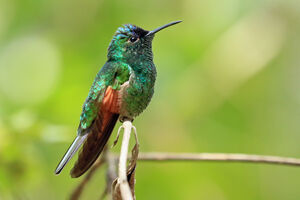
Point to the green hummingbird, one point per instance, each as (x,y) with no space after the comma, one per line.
(122,89)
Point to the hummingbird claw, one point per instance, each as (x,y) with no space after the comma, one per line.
(135,135)
(124,118)
(117,138)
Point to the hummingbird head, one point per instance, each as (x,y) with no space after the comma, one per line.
(131,42)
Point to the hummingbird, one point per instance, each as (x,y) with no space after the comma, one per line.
(122,89)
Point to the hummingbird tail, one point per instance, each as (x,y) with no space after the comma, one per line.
(95,142)
(70,153)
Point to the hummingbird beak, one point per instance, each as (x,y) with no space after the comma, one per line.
(162,27)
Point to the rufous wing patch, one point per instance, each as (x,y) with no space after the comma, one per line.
(111,101)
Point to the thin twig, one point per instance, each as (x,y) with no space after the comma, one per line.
(226,157)
(124,186)
(111,175)
(78,190)
(166,157)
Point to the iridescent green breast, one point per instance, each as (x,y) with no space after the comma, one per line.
(140,90)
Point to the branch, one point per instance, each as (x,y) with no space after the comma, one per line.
(78,190)
(121,188)
(111,175)
(122,180)
(230,157)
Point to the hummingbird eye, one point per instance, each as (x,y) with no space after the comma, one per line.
(133,39)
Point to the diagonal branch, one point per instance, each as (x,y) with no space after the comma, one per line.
(79,189)
(123,190)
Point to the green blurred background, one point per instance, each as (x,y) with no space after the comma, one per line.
(228,81)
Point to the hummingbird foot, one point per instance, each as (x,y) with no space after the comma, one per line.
(122,120)
(125,118)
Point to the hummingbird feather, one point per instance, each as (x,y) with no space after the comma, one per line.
(70,153)
(99,132)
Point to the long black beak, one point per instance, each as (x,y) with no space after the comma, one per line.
(162,27)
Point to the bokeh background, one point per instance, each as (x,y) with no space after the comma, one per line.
(228,81)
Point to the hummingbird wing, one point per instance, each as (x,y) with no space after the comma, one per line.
(99,116)
(95,142)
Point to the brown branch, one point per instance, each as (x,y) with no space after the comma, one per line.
(78,190)
(111,175)
(186,157)
(225,157)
